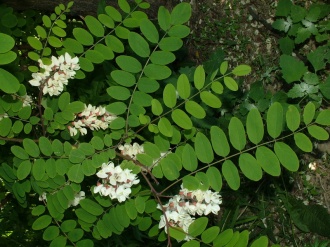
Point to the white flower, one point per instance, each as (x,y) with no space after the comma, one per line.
(56,75)
(78,197)
(312,166)
(116,182)
(43,197)
(92,117)
(180,207)
(131,150)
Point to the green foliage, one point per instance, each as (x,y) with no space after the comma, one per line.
(301,25)
(125,65)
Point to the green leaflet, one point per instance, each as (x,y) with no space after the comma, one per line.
(149,31)
(162,57)
(156,107)
(268,161)
(223,67)
(138,44)
(31,148)
(260,242)
(210,234)
(83,36)
(323,118)
(242,70)
(217,87)
(145,159)
(119,92)
(219,141)
(94,56)
(91,207)
(230,173)
(292,118)
(106,20)
(224,237)
(254,126)
(230,83)
(151,150)
(190,183)
(124,6)
(198,226)
(19,152)
(203,148)
(9,83)
(303,142)
(237,133)
(7,43)
(123,78)
(148,85)
(165,127)
(157,72)
(177,233)
(309,112)
(45,146)
(189,158)
(199,77)
(318,133)
(129,64)
(195,109)
(179,31)
(210,99)
(164,18)
(170,44)
(41,222)
(250,167)
(8,57)
(76,156)
(114,44)
(275,120)
(181,119)
(181,13)
(76,173)
(113,13)
(24,169)
(183,86)
(169,95)
(286,156)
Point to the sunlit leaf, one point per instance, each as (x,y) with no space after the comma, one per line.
(203,148)
(250,167)
(286,156)
(254,126)
(268,161)
(237,134)
(275,120)
(230,173)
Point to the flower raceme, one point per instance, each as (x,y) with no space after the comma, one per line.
(115,182)
(91,117)
(54,76)
(181,207)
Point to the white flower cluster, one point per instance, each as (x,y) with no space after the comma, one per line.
(187,203)
(77,198)
(56,75)
(131,150)
(91,117)
(116,182)
(26,99)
